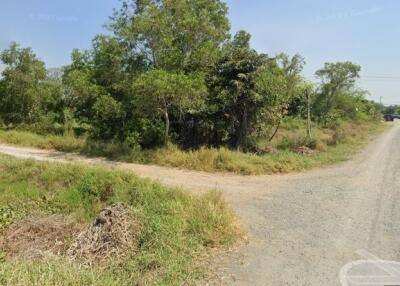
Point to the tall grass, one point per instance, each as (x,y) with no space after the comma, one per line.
(178,228)
(65,143)
(332,145)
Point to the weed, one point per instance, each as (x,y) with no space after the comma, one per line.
(347,137)
(177,228)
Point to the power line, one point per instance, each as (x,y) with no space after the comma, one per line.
(379,77)
(379,80)
(367,78)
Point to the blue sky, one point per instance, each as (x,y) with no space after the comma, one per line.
(363,31)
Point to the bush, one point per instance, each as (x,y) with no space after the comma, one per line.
(109,114)
(113,150)
(281,159)
(45,125)
(332,119)
(133,141)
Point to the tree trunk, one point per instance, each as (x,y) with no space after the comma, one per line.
(308,115)
(167,123)
(276,130)
(242,136)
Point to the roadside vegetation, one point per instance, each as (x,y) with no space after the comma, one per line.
(177,229)
(151,91)
(291,150)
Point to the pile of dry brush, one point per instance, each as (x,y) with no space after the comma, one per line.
(113,235)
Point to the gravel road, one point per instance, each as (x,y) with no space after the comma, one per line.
(303,228)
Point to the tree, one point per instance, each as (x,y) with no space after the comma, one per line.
(232,84)
(108,62)
(391,109)
(252,91)
(21,80)
(108,120)
(174,35)
(82,94)
(161,92)
(337,78)
(81,90)
(271,85)
(292,85)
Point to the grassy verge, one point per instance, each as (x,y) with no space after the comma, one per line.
(178,229)
(331,145)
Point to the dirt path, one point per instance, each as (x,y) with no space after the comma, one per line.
(303,227)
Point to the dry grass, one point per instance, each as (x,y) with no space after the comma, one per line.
(171,229)
(331,145)
(327,146)
(36,237)
(114,233)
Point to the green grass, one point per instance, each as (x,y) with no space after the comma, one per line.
(29,139)
(178,229)
(333,145)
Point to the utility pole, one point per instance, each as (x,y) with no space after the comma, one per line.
(308,114)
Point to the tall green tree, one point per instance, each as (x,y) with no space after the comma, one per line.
(160,92)
(336,79)
(173,35)
(232,84)
(108,119)
(21,79)
(290,87)
(82,91)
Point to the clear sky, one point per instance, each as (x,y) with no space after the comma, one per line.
(366,32)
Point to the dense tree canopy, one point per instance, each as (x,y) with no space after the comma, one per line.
(161,92)
(338,83)
(169,70)
(174,35)
(25,91)
(232,84)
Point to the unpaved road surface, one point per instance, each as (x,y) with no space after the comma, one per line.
(303,228)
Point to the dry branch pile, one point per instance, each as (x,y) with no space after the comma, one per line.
(113,234)
(38,236)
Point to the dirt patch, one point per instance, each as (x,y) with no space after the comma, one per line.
(114,233)
(36,237)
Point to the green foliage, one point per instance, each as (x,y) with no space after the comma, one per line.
(161,92)
(21,85)
(233,99)
(331,145)
(81,94)
(250,93)
(173,35)
(108,116)
(65,143)
(167,72)
(338,96)
(152,45)
(391,109)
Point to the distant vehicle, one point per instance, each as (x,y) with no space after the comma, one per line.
(391,117)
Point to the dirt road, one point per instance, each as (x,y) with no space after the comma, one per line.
(303,227)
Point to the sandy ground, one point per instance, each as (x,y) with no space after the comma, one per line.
(303,228)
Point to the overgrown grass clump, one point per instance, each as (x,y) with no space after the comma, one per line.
(177,228)
(331,145)
(67,143)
